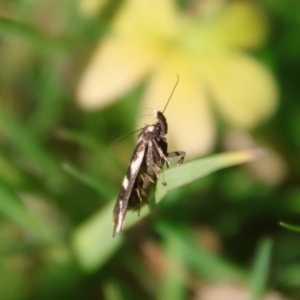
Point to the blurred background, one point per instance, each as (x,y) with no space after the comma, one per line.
(76,76)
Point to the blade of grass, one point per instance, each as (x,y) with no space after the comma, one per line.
(48,89)
(28,146)
(290,227)
(102,189)
(14,209)
(193,170)
(261,269)
(40,39)
(207,265)
(137,267)
(289,275)
(87,30)
(174,275)
(9,173)
(82,139)
(93,243)
(112,291)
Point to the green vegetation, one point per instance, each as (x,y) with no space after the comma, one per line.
(226,219)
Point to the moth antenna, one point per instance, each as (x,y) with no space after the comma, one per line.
(128,135)
(153,110)
(144,116)
(171,93)
(131,133)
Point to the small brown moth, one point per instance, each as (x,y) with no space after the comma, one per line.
(147,161)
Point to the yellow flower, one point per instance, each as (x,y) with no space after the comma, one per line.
(207,50)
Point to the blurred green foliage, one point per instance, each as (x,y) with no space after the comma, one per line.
(60,171)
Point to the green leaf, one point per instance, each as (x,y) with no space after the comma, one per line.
(261,269)
(193,170)
(289,226)
(92,241)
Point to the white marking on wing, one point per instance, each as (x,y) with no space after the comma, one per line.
(136,163)
(119,223)
(125,182)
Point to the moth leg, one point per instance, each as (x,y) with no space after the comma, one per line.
(161,153)
(148,177)
(178,153)
(171,154)
(141,200)
(150,160)
(158,177)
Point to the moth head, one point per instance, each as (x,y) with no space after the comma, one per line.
(161,121)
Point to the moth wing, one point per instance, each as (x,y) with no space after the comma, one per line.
(127,185)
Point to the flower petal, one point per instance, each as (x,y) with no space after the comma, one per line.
(244,90)
(129,53)
(242,24)
(147,19)
(191,127)
(116,66)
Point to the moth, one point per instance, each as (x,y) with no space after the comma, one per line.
(148,158)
